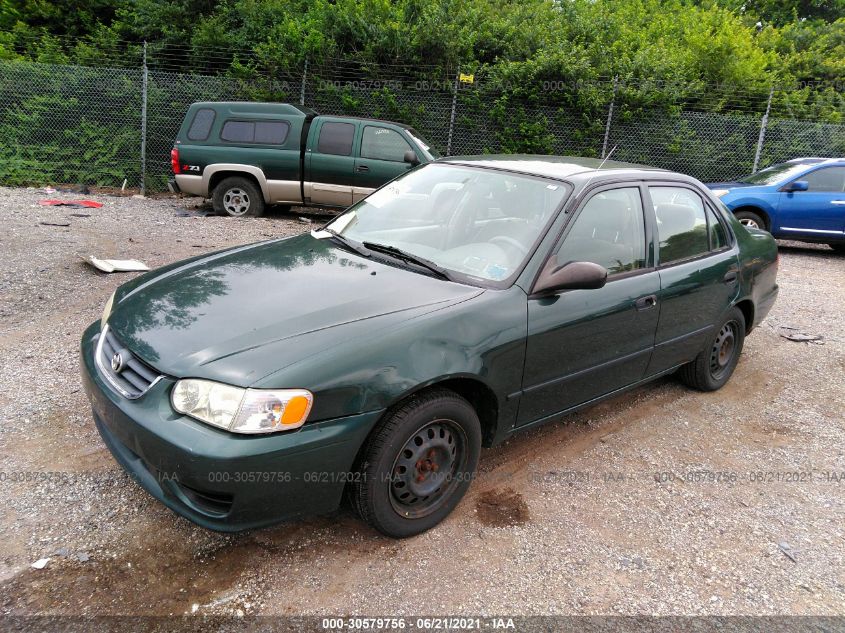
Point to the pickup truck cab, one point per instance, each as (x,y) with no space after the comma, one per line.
(247,155)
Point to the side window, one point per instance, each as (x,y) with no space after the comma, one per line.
(609,231)
(718,237)
(262,132)
(383,144)
(201,125)
(826,179)
(336,138)
(238,131)
(681,223)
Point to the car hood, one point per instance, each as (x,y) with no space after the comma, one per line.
(242,314)
(729,185)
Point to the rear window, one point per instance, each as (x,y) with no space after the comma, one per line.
(336,138)
(263,132)
(201,125)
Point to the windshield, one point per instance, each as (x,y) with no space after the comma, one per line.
(774,174)
(478,223)
(425,146)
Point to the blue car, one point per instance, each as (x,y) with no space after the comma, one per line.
(802,199)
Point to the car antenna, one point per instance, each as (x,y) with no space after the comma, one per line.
(604,160)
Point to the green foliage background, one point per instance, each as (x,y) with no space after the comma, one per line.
(674,60)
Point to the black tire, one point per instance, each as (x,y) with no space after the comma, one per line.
(839,247)
(751,220)
(238,197)
(417,464)
(715,364)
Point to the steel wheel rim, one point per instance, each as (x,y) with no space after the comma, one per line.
(423,475)
(723,351)
(236,201)
(749,223)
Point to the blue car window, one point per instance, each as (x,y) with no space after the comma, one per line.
(826,179)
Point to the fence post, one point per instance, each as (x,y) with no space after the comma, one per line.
(452,115)
(609,118)
(144,124)
(302,89)
(763,124)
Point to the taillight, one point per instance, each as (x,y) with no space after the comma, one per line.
(174,161)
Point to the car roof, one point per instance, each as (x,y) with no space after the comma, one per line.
(814,160)
(558,167)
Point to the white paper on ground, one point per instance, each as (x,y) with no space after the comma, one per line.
(116,265)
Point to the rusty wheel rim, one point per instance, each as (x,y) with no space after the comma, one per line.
(424,473)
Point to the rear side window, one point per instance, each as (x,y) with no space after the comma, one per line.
(383,143)
(681,223)
(336,138)
(718,237)
(263,132)
(201,125)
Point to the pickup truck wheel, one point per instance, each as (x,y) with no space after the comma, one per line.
(751,220)
(715,364)
(417,464)
(238,197)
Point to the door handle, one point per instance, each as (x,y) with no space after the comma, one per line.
(362,168)
(837,202)
(730,277)
(644,303)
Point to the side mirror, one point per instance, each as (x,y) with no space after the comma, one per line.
(570,276)
(411,157)
(798,185)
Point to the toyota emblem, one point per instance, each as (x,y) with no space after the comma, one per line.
(117,362)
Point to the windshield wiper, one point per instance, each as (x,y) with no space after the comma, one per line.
(410,258)
(355,245)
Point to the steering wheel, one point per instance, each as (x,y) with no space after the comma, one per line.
(511,242)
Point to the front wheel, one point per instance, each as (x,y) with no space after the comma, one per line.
(751,220)
(238,197)
(417,464)
(715,364)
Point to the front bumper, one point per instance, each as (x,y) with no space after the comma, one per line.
(221,480)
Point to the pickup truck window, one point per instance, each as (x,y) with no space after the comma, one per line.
(201,125)
(336,138)
(262,132)
(382,143)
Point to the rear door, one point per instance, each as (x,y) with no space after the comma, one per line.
(818,212)
(330,161)
(585,343)
(698,268)
(381,157)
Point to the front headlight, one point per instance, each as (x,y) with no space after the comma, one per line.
(242,410)
(720,192)
(107,310)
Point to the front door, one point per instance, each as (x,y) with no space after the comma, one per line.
(585,343)
(699,274)
(382,158)
(818,212)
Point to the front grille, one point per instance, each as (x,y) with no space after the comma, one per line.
(125,372)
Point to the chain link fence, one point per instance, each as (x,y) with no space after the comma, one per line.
(106,126)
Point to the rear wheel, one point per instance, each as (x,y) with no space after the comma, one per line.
(715,364)
(751,220)
(417,464)
(238,197)
(839,247)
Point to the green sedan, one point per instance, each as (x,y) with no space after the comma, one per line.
(464,301)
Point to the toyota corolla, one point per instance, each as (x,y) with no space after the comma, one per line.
(465,301)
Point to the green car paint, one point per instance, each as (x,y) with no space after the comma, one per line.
(364,333)
(298,166)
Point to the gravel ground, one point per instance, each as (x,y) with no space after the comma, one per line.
(662,501)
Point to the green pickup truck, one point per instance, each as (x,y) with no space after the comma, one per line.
(247,155)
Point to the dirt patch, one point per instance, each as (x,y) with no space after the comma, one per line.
(501,508)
